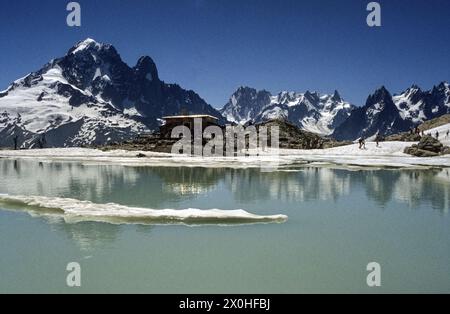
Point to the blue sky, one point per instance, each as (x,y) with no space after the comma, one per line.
(215,46)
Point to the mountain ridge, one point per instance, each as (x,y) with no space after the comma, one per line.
(387,114)
(90,96)
(310,111)
(330,115)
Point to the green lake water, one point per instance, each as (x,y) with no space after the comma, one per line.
(339,221)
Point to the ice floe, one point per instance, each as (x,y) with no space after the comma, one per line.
(74,211)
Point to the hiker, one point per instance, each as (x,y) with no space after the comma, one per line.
(423,133)
(377,140)
(448,132)
(437,135)
(362,143)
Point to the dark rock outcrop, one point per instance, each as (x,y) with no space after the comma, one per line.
(435,123)
(290,137)
(428,147)
(431,144)
(403,137)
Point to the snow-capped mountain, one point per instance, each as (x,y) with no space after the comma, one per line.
(418,106)
(90,96)
(245,104)
(312,112)
(386,115)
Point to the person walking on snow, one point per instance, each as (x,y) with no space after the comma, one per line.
(362,143)
(377,140)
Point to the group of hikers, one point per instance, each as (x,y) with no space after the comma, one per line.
(362,141)
(416,130)
(446,135)
(378,138)
(436,135)
(422,133)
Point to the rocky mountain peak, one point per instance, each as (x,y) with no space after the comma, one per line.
(413,90)
(444,85)
(412,95)
(336,96)
(382,92)
(146,68)
(312,97)
(84,45)
(441,89)
(89,45)
(245,103)
(380,96)
(243,91)
(310,110)
(91,96)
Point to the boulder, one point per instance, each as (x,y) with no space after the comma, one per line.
(428,147)
(431,144)
(415,151)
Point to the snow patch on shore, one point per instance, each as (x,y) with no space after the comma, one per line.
(388,154)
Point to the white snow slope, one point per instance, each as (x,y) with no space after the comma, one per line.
(39,109)
(412,107)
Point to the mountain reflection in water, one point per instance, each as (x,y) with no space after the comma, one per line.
(168,187)
(152,187)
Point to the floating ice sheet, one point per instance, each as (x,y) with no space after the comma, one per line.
(73,211)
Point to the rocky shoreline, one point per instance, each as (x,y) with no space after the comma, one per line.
(291,137)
